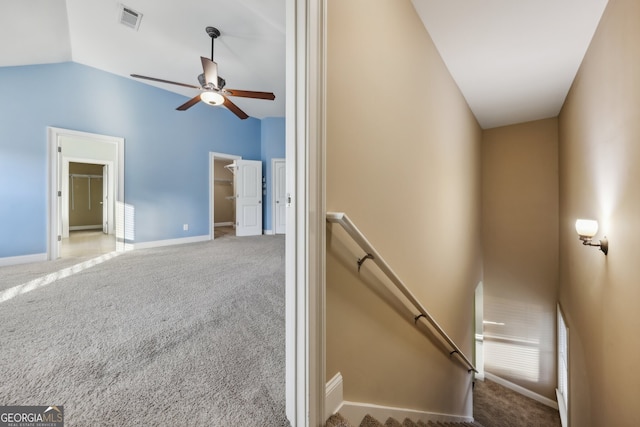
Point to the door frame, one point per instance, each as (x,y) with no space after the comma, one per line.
(306,212)
(54,214)
(274,185)
(213,156)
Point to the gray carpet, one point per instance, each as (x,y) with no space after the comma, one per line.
(189,335)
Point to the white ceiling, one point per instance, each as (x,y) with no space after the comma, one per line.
(514,60)
(250,51)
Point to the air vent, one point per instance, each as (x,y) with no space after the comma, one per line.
(129,17)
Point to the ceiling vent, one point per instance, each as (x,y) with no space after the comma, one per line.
(129,17)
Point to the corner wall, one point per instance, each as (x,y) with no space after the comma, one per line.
(520,253)
(599,179)
(403,161)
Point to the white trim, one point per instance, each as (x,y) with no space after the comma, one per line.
(85,227)
(333,395)
(562,390)
(170,242)
(212,158)
(521,390)
(354,412)
(268,232)
(223,224)
(53,216)
(562,409)
(22,259)
(274,181)
(305,237)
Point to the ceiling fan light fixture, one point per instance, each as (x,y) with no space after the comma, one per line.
(212,98)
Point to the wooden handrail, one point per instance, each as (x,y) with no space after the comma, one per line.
(342,219)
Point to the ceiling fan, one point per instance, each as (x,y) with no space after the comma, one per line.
(212,86)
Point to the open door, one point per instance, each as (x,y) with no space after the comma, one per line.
(248,186)
(105,199)
(280,196)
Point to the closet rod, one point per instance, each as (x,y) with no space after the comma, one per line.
(79,175)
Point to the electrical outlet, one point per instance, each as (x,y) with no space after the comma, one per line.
(185,227)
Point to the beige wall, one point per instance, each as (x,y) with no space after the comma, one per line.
(403,161)
(599,179)
(520,252)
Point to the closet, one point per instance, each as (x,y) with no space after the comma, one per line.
(85,196)
(224,204)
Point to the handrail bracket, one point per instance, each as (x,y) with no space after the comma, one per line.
(363,259)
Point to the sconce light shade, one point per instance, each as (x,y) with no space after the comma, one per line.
(586,227)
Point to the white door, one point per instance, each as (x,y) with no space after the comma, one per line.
(105,199)
(57,247)
(280,196)
(248,186)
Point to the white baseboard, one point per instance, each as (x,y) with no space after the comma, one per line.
(24,259)
(356,411)
(562,409)
(170,242)
(333,399)
(85,227)
(268,232)
(223,224)
(523,391)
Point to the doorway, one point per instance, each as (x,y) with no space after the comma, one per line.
(88,205)
(97,165)
(221,186)
(235,187)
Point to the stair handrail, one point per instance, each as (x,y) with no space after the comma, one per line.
(371,253)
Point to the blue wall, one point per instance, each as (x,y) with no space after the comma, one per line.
(273,147)
(166,151)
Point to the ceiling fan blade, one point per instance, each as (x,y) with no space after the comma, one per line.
(190,103)
(234,109)
(251,94)
(137,76)
(210,71)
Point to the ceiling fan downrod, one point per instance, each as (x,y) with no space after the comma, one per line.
(214,33)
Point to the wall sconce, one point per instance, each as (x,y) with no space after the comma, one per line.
(586,229)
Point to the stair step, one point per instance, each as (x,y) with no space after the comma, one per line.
(392,422)
(369,421)
(337,420)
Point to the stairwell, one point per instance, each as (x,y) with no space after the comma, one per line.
(337,420)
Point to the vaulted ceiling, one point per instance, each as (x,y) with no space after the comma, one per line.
(514,61)
(250,51)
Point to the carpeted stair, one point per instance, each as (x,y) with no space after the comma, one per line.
(337,420)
